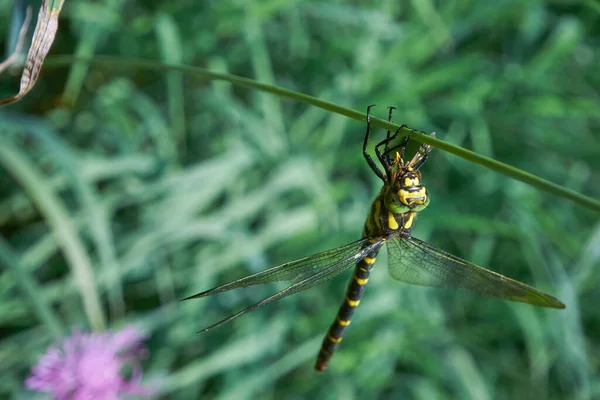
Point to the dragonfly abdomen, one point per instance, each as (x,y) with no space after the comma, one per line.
(355,290)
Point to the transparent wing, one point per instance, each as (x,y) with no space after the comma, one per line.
(303,273)
(294,271)
(413,261)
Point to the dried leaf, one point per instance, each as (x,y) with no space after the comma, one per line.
(21,39)
(44,34)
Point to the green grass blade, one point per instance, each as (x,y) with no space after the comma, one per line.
(59,220)
(31,289)
(169,39)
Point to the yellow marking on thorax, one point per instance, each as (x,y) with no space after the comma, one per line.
(342,322)
(392,223)
(352,303)
(409,221)
(361,281)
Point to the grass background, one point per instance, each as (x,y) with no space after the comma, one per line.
(162,186)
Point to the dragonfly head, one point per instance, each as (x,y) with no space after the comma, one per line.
(406,193)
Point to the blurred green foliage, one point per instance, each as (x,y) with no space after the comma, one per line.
(162,186)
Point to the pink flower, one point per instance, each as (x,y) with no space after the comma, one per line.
(90,366)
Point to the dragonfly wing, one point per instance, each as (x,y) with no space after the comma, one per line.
(294,271)
(413,261)
(336,265)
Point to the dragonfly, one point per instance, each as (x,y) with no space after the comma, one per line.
(410,260)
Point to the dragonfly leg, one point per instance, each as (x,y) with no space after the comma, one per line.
(387,137)
(355,291)
(401,146)
(384,157)
(365,154)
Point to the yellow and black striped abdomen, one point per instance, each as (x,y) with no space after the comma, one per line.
(380,225)
(355,291)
